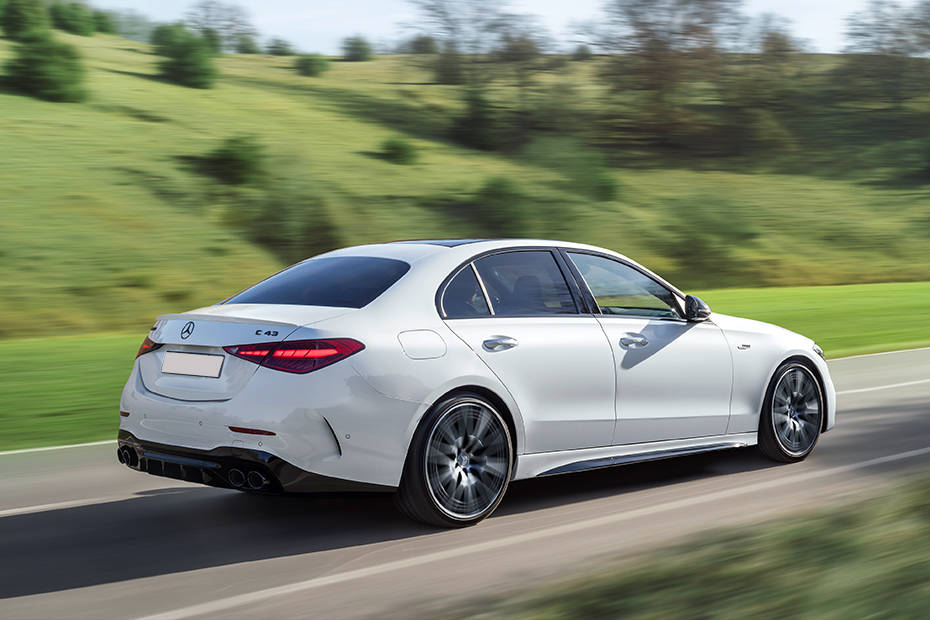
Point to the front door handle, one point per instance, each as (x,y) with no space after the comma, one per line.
(633,342)
(500,343)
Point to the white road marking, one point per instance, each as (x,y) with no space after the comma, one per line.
(57,506)
(883,387)
(852,357)
(239,600)
(47,448)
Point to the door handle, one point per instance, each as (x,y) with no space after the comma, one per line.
(633,342)
(500,343)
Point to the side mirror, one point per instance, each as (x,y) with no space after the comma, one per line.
(696,309)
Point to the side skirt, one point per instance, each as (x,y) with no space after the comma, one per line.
(567,461)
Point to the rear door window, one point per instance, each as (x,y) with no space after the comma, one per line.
(338,281)
(463,298)
(525,283)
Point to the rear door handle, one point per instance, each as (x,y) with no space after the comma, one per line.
(633,342)
(500,343)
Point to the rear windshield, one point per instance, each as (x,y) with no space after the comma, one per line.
(340,281)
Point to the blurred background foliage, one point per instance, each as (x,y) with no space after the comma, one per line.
(711,146)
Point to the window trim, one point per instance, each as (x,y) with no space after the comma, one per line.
(590,298)
(581,307)
(441,294)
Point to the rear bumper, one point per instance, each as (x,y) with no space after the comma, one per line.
(229,467)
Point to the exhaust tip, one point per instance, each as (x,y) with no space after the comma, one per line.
(127,456)
(236,477)
(257,480)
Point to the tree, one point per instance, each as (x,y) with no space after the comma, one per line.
(165,37)
(47,69)
(23,19)
(879,54)
(582,52)
(213,39)
(424,44)
(659,47)
(246,44)
(356,49)
(133,25)
(103,22)
(280,47)
(189,62)
(450,67)
(229,21)
(311,65)
(72,17)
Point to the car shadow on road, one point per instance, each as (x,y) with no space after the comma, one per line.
(180,529)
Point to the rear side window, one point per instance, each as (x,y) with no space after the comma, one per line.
(339,281)
(463,298)
(526,283)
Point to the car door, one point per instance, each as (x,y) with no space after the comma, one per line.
(674,377)
(516,311)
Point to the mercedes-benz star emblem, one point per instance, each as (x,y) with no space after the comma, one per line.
(187,330)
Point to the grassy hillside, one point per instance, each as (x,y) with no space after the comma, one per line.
(105,222)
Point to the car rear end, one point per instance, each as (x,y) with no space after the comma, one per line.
(251,393)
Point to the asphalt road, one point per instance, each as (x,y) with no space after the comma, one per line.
(83,537)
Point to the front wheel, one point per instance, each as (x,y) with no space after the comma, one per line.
(792,414)
(459,464)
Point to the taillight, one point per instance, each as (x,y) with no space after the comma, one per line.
(148,345)
(298,356)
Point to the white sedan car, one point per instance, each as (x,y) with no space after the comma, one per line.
(442,370)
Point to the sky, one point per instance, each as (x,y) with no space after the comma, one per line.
(320,25)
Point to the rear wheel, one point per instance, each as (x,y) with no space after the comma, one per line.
(792,414)
(459,464)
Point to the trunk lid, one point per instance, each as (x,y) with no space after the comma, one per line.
(198,369)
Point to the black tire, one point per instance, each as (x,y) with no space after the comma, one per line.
(792,413)
(462,446)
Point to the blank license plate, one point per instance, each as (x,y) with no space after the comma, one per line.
(196,364)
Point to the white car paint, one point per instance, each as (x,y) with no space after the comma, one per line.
(571,390)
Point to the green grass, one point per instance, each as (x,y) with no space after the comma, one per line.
(66,389)
(866,560)
(843,320)
(107,224)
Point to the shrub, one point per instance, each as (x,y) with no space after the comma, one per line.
(246,45)
(584,168)
(46,69)
(166,36)
(399,151)
(356,49)
(72,17)
(582,53)
(24,19)
(501,208)
(237,161)
(189,62)
(477,127)
(450,69)
(311,65)
(280,47)
(213,39)
(423,44)
(103,22)
(290,221)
